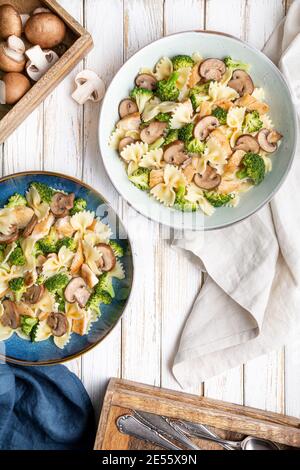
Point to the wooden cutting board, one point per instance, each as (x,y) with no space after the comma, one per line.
(228,420)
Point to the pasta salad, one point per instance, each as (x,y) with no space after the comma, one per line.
(57,264)
(195,133)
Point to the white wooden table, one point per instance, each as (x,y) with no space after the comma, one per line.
(62,136)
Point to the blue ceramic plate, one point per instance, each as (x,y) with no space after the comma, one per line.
(24,352)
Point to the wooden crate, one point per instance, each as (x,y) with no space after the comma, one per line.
(230,421)
(77,44)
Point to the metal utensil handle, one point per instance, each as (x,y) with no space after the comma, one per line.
(128,424)
(197,430)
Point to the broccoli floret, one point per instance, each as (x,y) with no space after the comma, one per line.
(252,122)
(181,203)
(2,251)
(17,286)
(40,279)
(61,303)
(98,297)
(140,178)
(33,332)
(171,136)
(57,283)
(180,61)
(48,244)
(105,284)
(68,242)
(235,64)
(220,114)
(167,90)
(17,258)
(79,206)
(117,249)
(16,200)
(46,193)
(27,324)
(186,133)
(252,167)
(141,96)
(163,117)
(218,199)
(195,146)
(198,94)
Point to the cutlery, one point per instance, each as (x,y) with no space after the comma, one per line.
(249,443)
(161,425)
(130,425)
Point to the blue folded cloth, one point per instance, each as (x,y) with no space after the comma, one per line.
(44,408)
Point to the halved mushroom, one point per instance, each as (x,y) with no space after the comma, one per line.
(108,257)
(263,138)
(34,294)
(12,58)
(154,131)
(124,142)
(89,86)
(76,291)
(10,316)
(209,180)
(61,204)
(174,153)
(204,126)
(247,143)
(89,277)
(11,237)
(58,323)
(40,61)
(212,69)
(30,226)
(126,107)
(145,80)
(241,82)
(130,123)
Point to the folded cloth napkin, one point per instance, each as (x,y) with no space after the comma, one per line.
(44,408)
(249,303)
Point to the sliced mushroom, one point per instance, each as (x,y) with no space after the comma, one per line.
(30,226)
(12,58)
(89,277)
(204,126)
(247,143)
(130,123)
(241,82)
(124,142)
(154,131)
(40,61)
(58,323)
(11,237)
(10,316)
(209,180)
(61,204)
(108,257)
(76,291)
(212,69)
(89,86)
(264,142)
(174,153)
(34,294)
(145,80)
(273,137)
(126,107)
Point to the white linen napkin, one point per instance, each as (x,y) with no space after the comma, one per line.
(250,301)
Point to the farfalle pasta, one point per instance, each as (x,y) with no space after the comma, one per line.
(200,132)
(57,265)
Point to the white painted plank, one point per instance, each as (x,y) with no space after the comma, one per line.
(141,327)
(104,20)
(292,379)
(183,15)
(265,16)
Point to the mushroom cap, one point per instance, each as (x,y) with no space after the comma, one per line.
(58,323)
(209,180)
(212,69)
(45,29)
(30,226)
(124,142)
(10,22)
(126,107)
(204,126)
(145,80)
(154,131)
(174,153)
(108,257)
(11,237)
(61,204)
(39,62)
(10,316)
(130,123)
(248,143)
(34,293)
(89,87)
(76,290)
(264,143)
(10,60)
(16,85)
(241,82)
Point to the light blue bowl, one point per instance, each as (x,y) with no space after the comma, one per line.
(19,351)
(264,73)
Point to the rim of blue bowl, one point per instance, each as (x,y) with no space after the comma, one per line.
(288,167)
(92,346)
